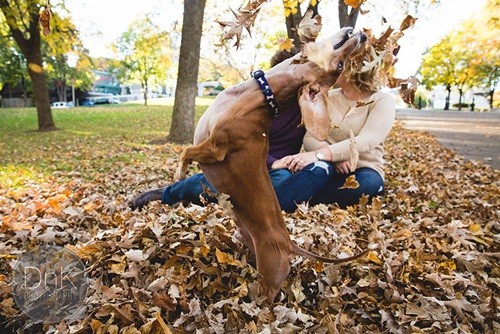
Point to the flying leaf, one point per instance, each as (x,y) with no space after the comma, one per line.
(376,60)
(407,88)
(309,27)
(44,20)
(408,22)
(353,152)
(244,18)
(363,103)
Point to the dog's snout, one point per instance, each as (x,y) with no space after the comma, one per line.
(363,37)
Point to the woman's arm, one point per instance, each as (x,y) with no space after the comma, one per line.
(376,128)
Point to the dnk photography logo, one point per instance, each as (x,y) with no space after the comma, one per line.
(50,284)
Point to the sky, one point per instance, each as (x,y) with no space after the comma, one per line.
(101,22)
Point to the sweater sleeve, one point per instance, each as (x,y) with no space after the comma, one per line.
(269,161)
(376,128)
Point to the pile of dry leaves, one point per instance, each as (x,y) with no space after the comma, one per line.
(178,270)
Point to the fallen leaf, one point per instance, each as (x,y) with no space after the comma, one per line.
(350,183)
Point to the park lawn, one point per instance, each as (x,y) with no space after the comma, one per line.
(87,139)
(437,229)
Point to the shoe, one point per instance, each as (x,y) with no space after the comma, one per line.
(146,197)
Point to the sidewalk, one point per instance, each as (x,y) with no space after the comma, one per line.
(474,135)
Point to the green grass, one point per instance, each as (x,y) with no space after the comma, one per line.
(96,138)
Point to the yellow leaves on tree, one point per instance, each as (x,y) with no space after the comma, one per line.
(291,7)
(353,3)
(285,44)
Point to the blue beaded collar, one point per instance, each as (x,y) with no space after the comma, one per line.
(259,76)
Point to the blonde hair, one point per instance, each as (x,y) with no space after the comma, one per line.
(366,80)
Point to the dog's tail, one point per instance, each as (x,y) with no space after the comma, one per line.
(300,251)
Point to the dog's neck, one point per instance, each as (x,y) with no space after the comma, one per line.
(287,78)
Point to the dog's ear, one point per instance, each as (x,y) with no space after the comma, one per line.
(323,55)
(314,106)
(316,53)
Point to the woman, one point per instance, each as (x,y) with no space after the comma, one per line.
(359,106)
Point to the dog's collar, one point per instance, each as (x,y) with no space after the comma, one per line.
(269,98)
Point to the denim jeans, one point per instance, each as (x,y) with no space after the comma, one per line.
(316,183)
(320,183)
(303,185)
(191,188)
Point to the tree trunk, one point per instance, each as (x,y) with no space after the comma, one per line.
(447,104)
(182,127)
(25,91)
(31,49)
(59,91)
(492,94)
(145,93)
(460,93)
(292,21)
(40,92)
(347,18)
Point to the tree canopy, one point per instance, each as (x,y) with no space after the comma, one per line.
(145,54)
(467,57)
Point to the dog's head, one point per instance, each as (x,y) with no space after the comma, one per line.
(329,56)
(330,53)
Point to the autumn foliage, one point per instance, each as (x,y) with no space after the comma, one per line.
(178,270)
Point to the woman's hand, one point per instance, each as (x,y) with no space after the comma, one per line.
(281,163)
(342,167)
(299,161)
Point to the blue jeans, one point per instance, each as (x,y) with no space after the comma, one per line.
(191,188)
(320,183)
(316,183)
(303,185)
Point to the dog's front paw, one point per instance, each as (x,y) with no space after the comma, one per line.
(180,174)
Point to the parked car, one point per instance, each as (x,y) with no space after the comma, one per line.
(87,103)
(107,100)
(61,104)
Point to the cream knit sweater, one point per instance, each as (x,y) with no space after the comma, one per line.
(370,125)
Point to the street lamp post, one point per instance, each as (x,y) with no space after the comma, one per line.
(72,61)
(73,91)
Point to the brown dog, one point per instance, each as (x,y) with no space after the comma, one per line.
(231,146)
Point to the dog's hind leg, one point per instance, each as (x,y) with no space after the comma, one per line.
(206,152)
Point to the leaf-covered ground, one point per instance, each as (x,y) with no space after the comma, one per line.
(178,270)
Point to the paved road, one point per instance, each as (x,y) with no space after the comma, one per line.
(474,135)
